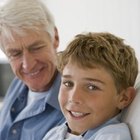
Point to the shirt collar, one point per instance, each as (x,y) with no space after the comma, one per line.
(69,130)
(52,93)
(114,120)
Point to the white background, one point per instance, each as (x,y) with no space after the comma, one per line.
(121,17)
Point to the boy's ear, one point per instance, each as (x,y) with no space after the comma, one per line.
(126,97)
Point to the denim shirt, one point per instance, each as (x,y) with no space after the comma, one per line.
(113,129)
(34,124)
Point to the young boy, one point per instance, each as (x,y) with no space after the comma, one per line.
(98,74)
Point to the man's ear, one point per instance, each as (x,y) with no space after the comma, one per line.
(56,38)
(126,97)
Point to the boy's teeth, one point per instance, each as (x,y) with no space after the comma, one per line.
(77,114)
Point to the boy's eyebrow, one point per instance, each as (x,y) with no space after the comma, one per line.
(94,80)
(66,76)
(86,78)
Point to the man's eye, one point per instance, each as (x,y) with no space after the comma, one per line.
(14,55)
(37,48)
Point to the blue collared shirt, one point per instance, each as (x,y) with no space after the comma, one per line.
(32,125)
(110,130)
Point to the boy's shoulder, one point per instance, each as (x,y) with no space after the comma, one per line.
(117,127)
(119,131)
(56,132)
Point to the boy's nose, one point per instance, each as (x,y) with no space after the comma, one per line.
(76,96)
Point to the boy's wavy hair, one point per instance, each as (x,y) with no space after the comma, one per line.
(103,49)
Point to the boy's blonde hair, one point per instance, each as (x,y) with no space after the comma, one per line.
(103,49)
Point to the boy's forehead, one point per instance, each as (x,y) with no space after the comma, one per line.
(85,66)
(96,73)
(72,65)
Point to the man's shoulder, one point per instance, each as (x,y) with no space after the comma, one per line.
(16,87)
(17,82)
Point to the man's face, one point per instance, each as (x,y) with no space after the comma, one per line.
(88,97)
(33,59)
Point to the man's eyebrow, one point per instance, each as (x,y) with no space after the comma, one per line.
(12,50)
(35,44)
(29,46)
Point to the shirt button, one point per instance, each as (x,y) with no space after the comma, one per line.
(14,131)
(13,109)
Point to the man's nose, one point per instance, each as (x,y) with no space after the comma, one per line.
(28,61)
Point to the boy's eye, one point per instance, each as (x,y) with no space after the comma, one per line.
(92,87)
(68,84)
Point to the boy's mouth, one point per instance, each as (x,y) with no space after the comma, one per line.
(78,114)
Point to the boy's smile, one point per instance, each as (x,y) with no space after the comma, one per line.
(88,97)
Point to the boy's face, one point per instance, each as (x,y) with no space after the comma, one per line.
(88,97)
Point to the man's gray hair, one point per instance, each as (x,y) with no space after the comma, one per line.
(17,16)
